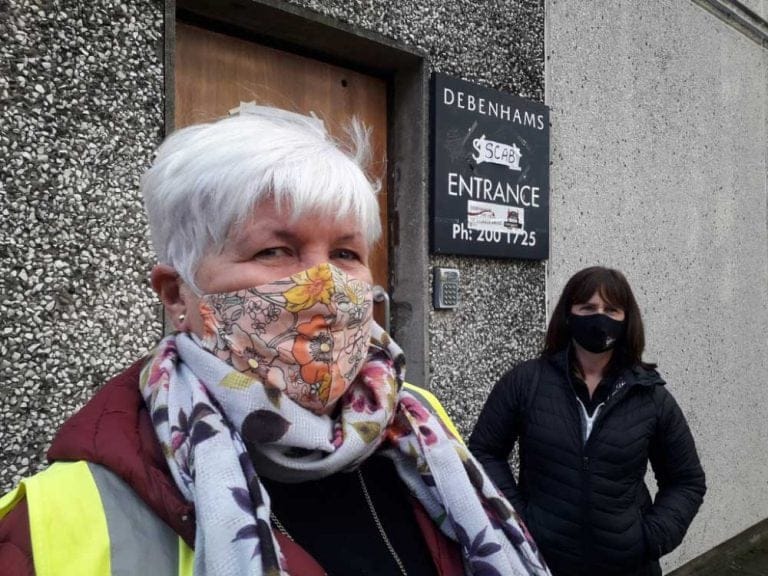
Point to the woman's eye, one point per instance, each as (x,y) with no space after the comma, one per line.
(270,252)
(344,254)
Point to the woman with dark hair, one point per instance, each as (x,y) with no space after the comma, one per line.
(588,415)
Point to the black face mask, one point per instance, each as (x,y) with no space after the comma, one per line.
(596,332)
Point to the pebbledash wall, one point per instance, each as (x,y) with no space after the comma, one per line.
(81,100)
(659,167)
(659,148)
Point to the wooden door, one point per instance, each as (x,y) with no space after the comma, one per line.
(215,72)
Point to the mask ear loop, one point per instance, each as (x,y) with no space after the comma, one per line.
(571,340)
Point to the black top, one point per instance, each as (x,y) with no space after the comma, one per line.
(332,521)
(586,503)
(600,395)
(602,392)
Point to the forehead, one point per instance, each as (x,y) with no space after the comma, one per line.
(599,297)
(596,298)
(270,218)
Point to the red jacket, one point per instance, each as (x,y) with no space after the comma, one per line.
(114,429)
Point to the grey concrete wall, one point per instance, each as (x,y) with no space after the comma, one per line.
(81,91)
(659,144)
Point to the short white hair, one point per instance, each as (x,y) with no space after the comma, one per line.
(209,177)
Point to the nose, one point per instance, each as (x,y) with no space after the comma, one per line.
(314,257)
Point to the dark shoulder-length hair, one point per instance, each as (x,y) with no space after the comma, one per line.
(614,289)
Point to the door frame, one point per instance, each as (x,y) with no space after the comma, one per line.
(294,29)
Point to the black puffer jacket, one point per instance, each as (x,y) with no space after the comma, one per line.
(587,504)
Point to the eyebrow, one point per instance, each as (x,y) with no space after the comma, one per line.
(285,235)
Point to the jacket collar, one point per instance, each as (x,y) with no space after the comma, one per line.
(634,376)
(639,376)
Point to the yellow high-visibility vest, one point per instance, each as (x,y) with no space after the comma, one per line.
(432,402)
(84,520)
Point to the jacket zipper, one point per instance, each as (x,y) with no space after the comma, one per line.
(585,458)
(608,405)
(586,533)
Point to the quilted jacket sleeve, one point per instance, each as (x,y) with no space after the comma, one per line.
(679,476)
(15,545)
(496,432)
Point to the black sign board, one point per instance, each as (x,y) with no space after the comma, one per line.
(490,172)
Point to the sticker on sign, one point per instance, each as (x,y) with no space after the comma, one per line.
(494,217)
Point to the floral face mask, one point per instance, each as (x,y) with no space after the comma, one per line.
(306,335)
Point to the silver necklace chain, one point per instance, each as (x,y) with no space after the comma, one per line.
(279,526)
(372,508)
(384,537)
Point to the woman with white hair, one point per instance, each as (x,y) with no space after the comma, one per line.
(271,432)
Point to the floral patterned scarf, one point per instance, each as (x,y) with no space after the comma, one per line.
(203,410)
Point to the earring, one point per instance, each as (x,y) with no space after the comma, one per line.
(181,317)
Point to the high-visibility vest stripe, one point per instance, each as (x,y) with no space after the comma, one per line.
(429,399)
(86,521)
(9,501)
(186,559)
(66,522)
